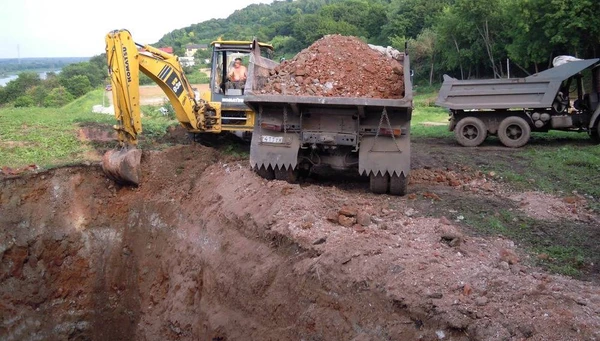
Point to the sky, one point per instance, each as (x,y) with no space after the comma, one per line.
(76,28)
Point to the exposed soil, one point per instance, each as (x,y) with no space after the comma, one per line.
(338,66)
(154,95)
(206,250)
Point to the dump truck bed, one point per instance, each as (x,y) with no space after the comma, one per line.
(536,91)
(254,101)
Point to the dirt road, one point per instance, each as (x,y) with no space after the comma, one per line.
(204,249)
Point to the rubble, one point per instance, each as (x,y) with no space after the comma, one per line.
(339,66)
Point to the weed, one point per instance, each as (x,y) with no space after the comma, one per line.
(567,260)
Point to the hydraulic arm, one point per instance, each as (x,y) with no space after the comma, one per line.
(124,63)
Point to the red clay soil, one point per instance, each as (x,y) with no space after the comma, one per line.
(206,250)
(338,66)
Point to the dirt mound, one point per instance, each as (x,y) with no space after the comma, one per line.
(338,66)
(208,250)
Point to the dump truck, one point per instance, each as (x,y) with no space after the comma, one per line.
(554,99)
(294,133)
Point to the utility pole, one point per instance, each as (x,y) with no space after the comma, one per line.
(19,53)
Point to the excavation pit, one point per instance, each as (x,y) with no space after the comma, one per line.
(206,250)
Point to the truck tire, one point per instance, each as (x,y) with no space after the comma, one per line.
(290,175)
(379,183)
(514,132)
(265,172)
(595,132)
(398,185)
(470,132)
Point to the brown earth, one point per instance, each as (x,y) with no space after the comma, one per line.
(338,66)
(206,250)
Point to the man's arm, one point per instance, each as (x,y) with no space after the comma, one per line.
(245,74)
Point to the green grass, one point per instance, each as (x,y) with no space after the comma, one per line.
(428,120)
(197,77)
(48,137)
(564,249)
(566,260)
(555,165)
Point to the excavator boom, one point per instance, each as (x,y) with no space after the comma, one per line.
(124,64)
(220,109)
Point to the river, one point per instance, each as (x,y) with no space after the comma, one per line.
(5,80)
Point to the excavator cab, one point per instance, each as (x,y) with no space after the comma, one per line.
(235,115)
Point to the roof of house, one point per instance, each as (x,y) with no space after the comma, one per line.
(196,46)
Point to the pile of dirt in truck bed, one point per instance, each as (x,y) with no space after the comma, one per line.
(205,249)
(338,66)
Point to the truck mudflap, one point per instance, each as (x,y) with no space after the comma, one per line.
(275,149)
(378,155)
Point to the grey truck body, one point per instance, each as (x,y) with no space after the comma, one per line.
(554,99)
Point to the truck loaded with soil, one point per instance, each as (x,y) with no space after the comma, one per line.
(339,103)
(207,249)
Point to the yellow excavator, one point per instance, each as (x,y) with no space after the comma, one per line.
(221,109)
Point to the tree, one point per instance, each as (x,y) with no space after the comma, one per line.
(77,85)
(58,97)
(472,33)
(90,70)
(19,86)
(424,48)
(544,29)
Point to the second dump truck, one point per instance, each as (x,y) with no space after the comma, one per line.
(555,99)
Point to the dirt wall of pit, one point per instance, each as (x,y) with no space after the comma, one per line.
(82,259)
(204,249)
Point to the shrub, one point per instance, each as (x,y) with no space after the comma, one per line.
(58,97)
(24,101)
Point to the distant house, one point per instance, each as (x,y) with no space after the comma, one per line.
(190,49)
(187,61)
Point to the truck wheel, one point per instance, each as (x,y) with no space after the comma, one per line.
(379,183)
(514,132)
(470,132)
(398,185)
(265,172)
(595,132)
(290,175)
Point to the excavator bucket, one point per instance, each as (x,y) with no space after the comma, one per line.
(123,166)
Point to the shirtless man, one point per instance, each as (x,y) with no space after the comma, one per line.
(238,74)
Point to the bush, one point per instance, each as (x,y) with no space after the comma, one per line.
(58,97)
(38,94)
(24,101)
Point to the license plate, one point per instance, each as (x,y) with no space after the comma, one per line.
(272,139)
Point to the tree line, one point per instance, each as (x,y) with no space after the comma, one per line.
(463,38)
(56,90)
